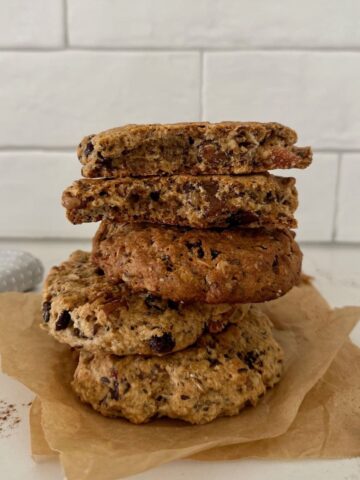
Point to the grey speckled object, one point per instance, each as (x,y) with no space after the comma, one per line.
(19,271)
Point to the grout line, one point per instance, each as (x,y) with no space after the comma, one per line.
(336,199)
(45,239)
(285,49)
(336,150)
(201,86)
(322,243)
(30,149)
(65,24)
(32,49)
(167,49)
(341,244)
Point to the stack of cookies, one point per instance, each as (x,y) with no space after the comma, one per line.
(194,233)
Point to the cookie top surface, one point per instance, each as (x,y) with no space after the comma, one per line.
(198,148)
(83,309)
(186,200)
(219,375)
(215,266)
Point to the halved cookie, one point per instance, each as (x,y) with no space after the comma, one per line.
(185,200)
(191,148)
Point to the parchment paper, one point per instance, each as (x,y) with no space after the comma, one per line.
(327,424)
(40,449)
(93,447)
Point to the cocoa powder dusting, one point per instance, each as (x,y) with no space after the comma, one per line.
(9,418)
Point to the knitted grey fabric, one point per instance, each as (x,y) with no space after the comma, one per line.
(19,271)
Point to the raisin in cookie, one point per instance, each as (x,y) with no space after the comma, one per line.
(185,200)
(218,376)
(81,308)
(191,148)
(214,266)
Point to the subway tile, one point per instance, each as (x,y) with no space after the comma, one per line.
(31,24)
(53,99)
(348,217)
(31,185)
(209,23)
(316,187)
(315,93)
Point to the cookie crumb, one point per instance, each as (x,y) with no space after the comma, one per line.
(9,418)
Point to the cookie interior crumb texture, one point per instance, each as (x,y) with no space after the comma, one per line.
(191,148)
(184,200)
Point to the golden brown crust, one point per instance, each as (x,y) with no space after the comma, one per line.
(219,375)
(232,265)
(83,309)
(191,148)
(191,201)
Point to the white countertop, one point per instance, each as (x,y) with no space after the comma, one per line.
(337,273)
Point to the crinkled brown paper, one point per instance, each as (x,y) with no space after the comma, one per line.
(94,447)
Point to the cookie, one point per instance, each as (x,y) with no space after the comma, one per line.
(220,375)
(214,266)
(192,149)
(199,202)
(83,309)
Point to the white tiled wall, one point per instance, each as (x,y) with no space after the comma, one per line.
(51,99)
(348,221)
(73,67)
